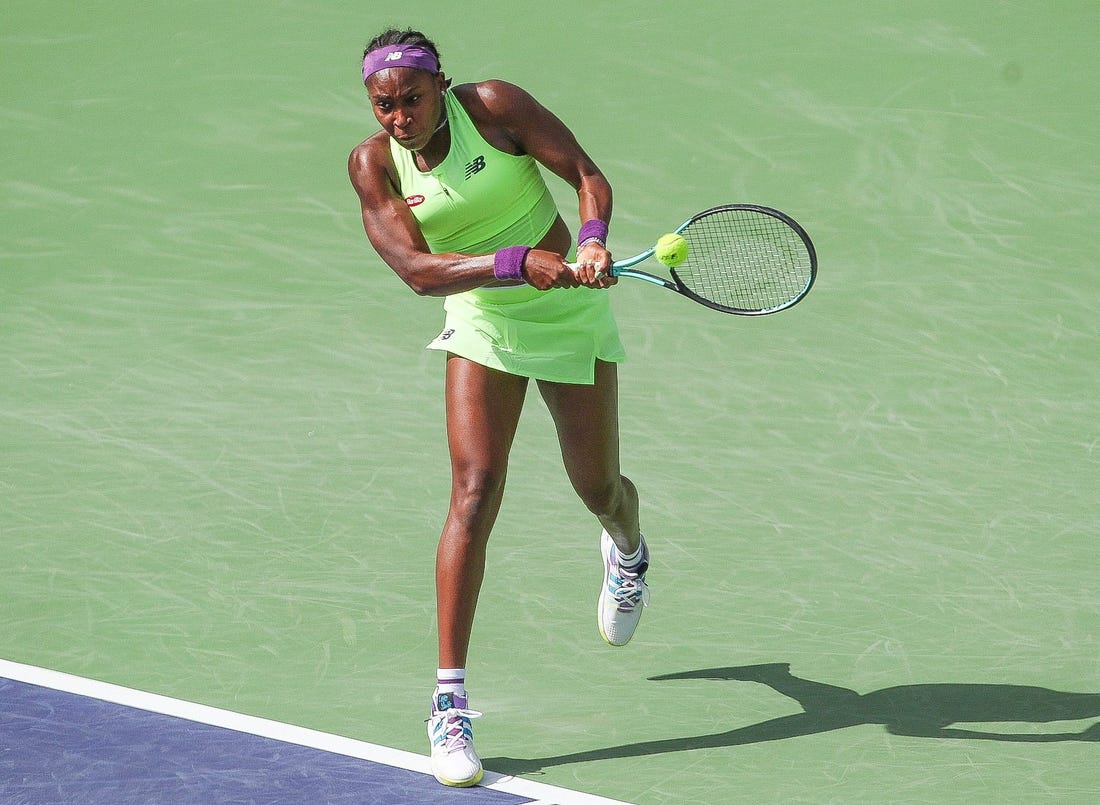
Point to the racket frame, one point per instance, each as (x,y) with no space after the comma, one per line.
(625,268)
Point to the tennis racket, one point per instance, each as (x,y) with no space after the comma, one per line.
(742,258)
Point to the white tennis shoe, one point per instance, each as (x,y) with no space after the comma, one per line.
(623,595)
(454,760)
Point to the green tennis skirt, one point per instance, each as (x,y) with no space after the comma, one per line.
(554,335)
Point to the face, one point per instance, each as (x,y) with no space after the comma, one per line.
(408,103)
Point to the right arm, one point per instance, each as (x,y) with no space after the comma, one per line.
(396,236)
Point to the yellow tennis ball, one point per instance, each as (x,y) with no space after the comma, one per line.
(672,249)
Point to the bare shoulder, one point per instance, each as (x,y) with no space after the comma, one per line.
(496,101)
(373,150)
(370,160)
(507,115)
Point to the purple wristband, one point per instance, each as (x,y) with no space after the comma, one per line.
(508,262)
(592,230)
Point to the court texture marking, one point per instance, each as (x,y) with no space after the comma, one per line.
(223,459)
(70,739)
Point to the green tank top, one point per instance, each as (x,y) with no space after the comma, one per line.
(479,199)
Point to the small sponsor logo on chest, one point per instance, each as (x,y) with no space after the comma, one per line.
(474,166)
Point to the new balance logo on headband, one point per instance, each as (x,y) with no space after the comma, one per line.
(476,166)
(395,56)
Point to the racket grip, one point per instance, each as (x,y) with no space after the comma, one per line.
(613,272)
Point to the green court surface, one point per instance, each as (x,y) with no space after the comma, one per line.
(222,457)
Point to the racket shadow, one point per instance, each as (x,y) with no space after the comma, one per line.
(921,710)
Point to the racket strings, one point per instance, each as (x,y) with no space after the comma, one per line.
(745,260)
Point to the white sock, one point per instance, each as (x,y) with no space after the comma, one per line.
(451,680)
(629,560)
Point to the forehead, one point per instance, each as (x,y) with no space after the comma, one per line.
(396,81)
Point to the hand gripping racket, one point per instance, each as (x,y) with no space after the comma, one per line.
(742,258)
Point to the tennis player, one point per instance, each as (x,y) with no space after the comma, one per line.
(454,202)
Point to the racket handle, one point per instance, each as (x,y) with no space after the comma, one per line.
(614,272)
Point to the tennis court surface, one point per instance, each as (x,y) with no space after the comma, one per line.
(68,739)
(873,518)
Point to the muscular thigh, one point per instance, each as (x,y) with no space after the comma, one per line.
(483,410)
(587,422)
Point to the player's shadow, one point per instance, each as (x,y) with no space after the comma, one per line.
(925,711)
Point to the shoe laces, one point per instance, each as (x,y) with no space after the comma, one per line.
(628,589)
(452,730)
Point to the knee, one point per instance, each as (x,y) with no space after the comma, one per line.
(476,493)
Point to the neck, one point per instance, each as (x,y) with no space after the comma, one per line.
(438,145)
(442,125)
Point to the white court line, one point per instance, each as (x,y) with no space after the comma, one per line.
(56,680)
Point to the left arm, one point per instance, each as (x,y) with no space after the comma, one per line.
(522,125)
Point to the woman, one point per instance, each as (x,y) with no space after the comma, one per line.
(454,202)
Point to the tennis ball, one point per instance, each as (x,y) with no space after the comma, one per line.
(672,249)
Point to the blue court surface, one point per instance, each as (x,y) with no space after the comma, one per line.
(65,739)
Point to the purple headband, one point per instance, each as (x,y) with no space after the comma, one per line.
(399,56)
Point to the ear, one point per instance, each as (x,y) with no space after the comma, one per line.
(444,83)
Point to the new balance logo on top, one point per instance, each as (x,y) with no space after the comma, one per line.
(476,166)
(395,56)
